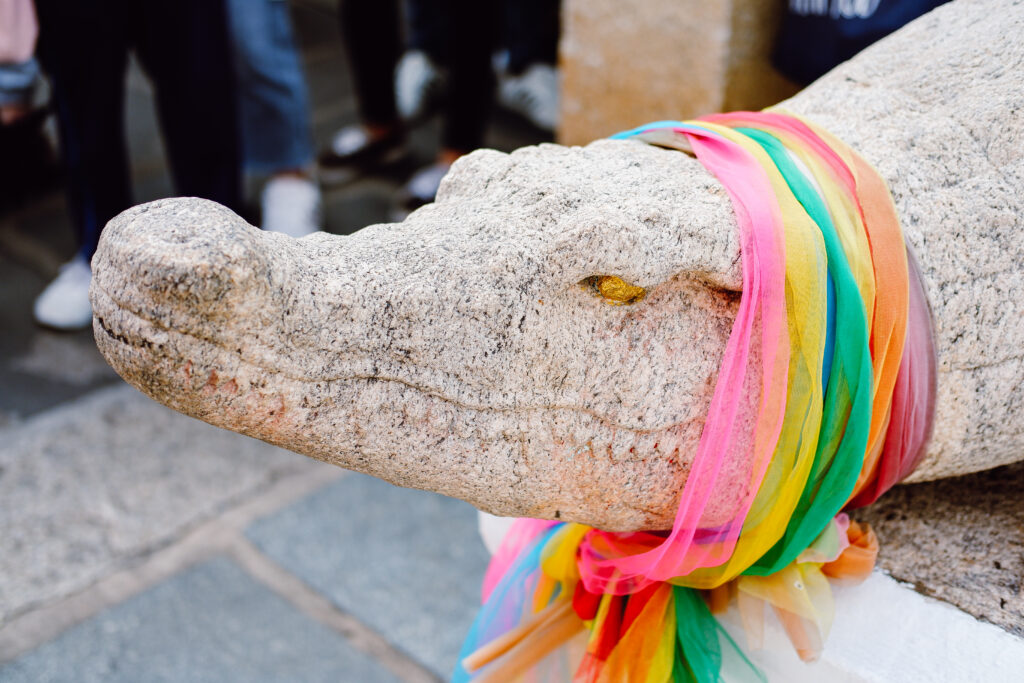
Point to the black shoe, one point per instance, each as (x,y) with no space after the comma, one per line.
(352,152)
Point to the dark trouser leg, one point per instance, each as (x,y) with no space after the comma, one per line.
(531,29)
(471,88)
(370,31)
(83,46)
(273,98)
(186,49)
(429,24)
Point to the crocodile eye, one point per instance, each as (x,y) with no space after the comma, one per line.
(614,290)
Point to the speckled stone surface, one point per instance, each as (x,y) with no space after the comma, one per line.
(459,351)
(960,540)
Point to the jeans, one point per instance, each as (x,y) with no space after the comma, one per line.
(183,47)
(18,82)
(457,34)
(273,101)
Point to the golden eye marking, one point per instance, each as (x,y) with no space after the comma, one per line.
(614,290)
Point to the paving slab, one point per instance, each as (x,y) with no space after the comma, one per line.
(39,369)
(210,623)
(316,24)
(407,563)
(89,485)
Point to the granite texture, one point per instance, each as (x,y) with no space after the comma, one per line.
(465,352)
(960,540)
(945,127)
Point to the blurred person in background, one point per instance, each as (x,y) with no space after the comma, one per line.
(527,75)
(457,39)
(28,165)
(525,63)
(185,49)
(19,71)
(448,65)
(275,119)
(817,35)
(456,33)
(371,35)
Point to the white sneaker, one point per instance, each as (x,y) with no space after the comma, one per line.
(534,94)
(291,205)
(64,304)
(419,85)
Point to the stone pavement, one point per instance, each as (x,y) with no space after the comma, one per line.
(140,545)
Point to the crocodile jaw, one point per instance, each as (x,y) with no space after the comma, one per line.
(458,351)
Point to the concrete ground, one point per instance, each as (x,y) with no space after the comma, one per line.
(137,544)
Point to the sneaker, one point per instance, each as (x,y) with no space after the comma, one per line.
(64,304)
(353,149)
(419,85)
(291,205)
(533,94)
(422,187)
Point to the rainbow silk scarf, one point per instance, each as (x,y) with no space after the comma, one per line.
(823,401)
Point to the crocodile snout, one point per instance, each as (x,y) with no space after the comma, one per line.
(181,264)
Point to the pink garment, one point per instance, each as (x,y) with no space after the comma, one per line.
(18,31)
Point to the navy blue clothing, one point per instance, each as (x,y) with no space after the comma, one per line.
(816,35)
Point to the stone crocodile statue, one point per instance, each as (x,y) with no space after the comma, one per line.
(471,350)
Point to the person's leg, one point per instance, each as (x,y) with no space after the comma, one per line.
(370,34)
(529,84)
(185,47)
(470,92)
(271,86)
(421,76)
(370,31)
(530,33)
(429,25)
(83,47)
(274,110)
(471,84)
